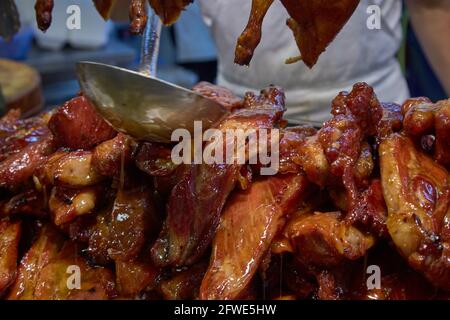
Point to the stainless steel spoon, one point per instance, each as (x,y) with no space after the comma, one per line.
(141,105)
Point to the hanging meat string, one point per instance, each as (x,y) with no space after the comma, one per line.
(314,24)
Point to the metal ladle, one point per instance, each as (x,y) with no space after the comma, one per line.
(139,104)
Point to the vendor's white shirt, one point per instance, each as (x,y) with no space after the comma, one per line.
(357,54)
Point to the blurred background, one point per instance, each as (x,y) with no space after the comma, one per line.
(39,67)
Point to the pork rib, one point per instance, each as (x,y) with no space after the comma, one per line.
(250,221)
(196,202)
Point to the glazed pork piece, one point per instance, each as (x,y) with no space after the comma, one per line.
(323,239)
(44,10)
(28,203)
(371,186)
(9,243)
(138,16)
(221,95)
(426,120)
(47,244)
(97,283)
(76,125)
(249,223)
(24,144)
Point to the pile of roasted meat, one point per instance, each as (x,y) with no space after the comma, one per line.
(369,189)
(315,23)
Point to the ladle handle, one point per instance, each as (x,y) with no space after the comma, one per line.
(150,44)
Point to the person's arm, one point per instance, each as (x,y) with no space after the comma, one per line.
(431,22)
